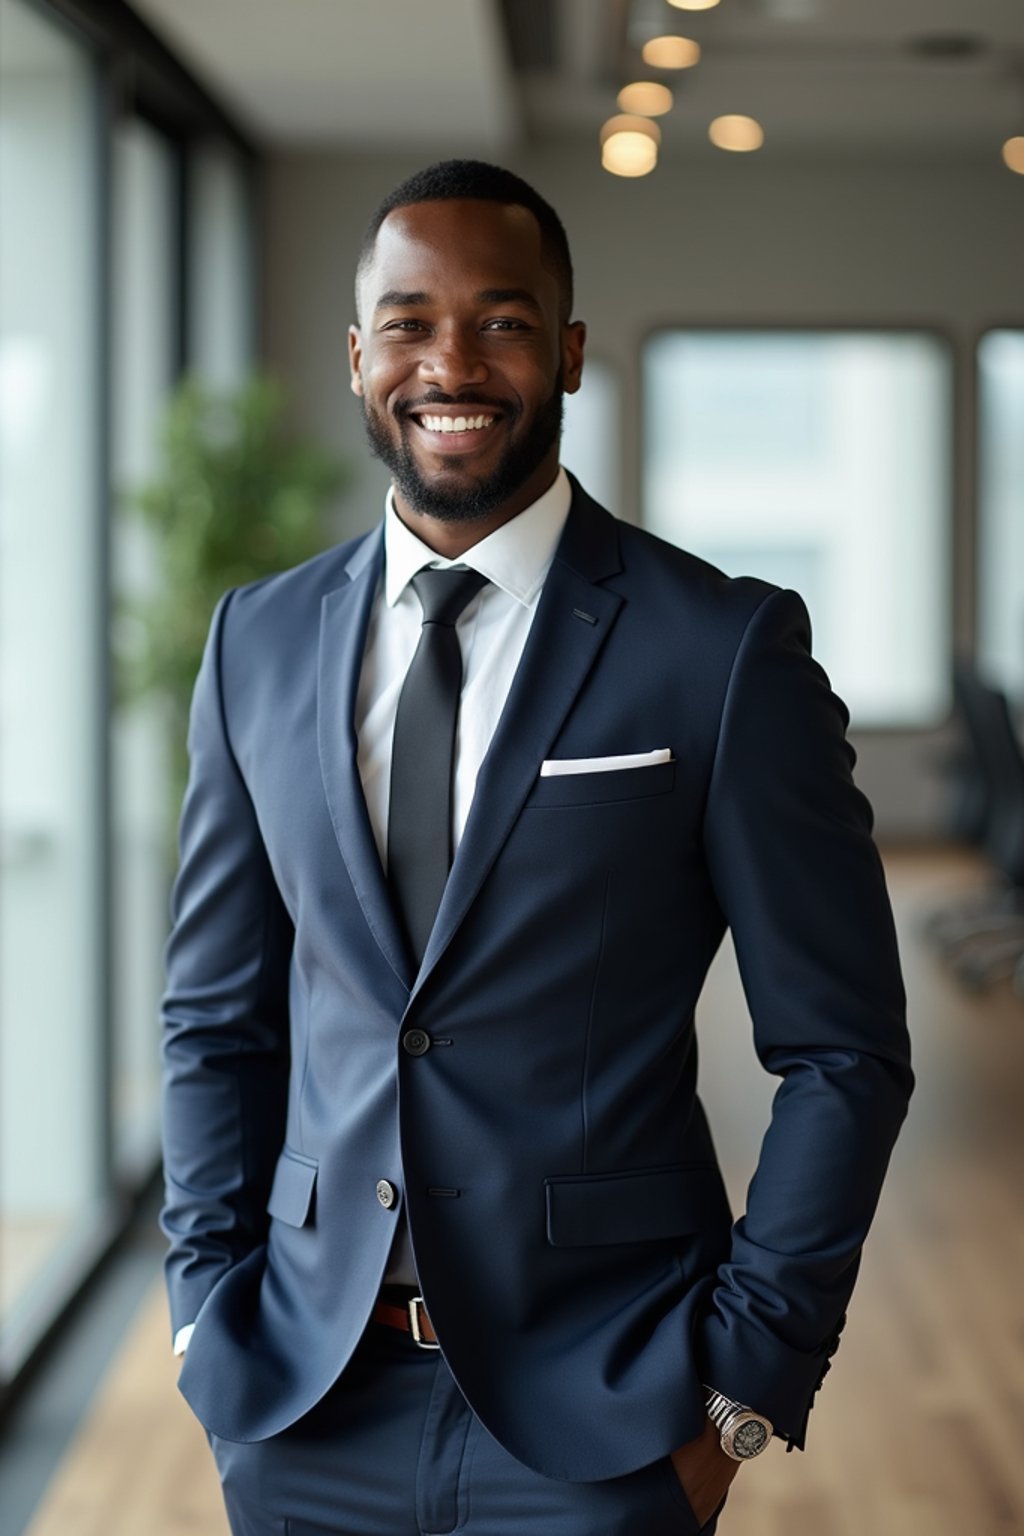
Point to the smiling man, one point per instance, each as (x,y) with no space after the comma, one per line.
(473,801)
(463,386)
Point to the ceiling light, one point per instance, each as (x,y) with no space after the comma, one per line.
(627,123)
(1013,154)
(693,5)
(629,145)
(629,154)
(736,132)
(670,52)
(646,97)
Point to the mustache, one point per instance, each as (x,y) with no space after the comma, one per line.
(435,397)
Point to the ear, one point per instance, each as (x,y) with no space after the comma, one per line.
(574,337)
(355,359)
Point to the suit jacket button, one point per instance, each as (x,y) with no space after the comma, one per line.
(416,1041)
(386,1193)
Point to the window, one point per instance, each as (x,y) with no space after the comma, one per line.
(819,461)
(222,319)
(51,703)
(1001,509)
(592,433)
(147,169)
(116,177)
(145,362)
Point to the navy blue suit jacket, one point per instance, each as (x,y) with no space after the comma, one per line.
(571,1229)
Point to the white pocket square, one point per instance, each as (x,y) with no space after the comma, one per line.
(557,765)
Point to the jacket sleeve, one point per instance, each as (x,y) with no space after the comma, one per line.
(798,877)
(224,1013)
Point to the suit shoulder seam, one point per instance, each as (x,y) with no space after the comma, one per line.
(752,617)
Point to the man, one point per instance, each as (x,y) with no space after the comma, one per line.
(407,1107)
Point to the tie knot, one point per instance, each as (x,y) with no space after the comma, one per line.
(444,594)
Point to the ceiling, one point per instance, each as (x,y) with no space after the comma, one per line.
(477,76)
(363,74)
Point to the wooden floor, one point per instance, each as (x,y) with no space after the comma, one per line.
(27,1245)
(919,1429)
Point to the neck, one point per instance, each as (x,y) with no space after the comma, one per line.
(452,539)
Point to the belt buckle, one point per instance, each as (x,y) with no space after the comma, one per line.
(415,1305)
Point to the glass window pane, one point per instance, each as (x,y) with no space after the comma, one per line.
(1001,510)
(144,328)
(820,461)
(50,602)
(592,434)
(221,243)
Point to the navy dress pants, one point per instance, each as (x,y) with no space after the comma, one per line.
(394,1450)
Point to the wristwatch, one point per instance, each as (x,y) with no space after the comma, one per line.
(744,1433)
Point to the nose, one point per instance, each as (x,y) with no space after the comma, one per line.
(453,360)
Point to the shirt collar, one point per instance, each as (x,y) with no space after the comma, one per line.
(516,556)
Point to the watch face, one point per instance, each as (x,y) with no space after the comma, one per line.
(750,1439)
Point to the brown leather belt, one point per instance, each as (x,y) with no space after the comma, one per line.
(410,1317)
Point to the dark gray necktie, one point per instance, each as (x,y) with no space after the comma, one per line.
(423,754)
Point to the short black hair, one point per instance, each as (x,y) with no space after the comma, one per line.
(449,179)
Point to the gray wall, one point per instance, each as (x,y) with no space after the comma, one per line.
(714,239)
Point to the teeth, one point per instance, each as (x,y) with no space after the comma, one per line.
(457,423)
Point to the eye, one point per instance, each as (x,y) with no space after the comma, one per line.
(404,325)
(504,323)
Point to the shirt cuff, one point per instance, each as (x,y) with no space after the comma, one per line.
(182,1337)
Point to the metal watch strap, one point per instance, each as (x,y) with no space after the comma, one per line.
(721,1408)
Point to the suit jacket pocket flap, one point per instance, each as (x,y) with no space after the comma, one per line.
(640,1206)
(292,1192)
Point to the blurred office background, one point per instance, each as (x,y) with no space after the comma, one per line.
(806,362)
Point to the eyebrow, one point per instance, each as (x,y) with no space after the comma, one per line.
(508,296)
(396,298)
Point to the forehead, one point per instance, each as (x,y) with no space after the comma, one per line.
(459,243)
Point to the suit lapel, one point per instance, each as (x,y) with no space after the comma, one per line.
(344,618)
(573,620)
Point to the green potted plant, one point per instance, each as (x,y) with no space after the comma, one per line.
(236,498)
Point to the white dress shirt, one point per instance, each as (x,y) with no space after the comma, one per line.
(492,631)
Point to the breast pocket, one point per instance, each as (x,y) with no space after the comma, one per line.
(567,789)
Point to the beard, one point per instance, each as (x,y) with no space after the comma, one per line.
(455,498)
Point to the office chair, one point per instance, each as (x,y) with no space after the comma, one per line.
(983,938)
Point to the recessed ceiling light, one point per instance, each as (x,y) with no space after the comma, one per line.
(670,52)
(646,97)
(736,132)
(625,122)
(1013,154)
(693,5)
(629,145)
(629,154)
